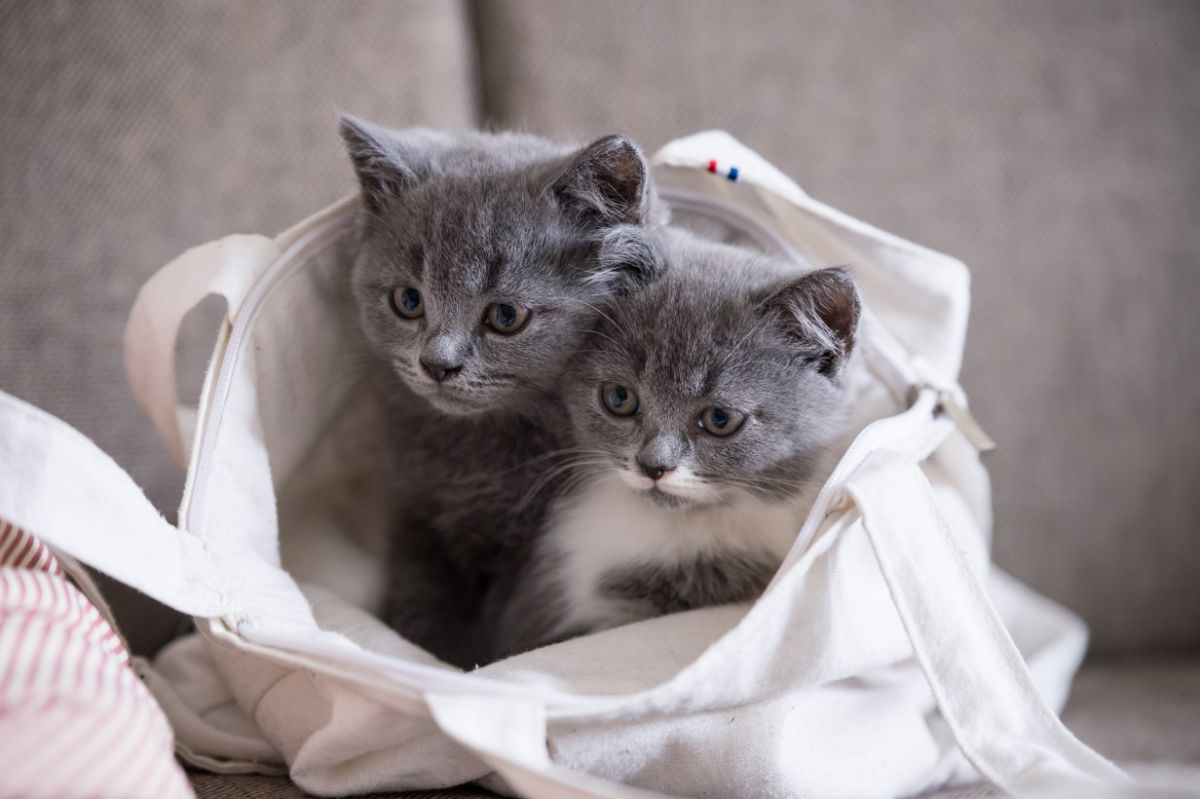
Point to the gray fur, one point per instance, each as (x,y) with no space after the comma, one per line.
(483,218)
(655,589)
(470,220)
(463,506)
(723,326)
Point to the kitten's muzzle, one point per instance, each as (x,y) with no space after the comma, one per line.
(653,471)
(443,354)
(440,371)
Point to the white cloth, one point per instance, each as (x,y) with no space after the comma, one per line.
(874,662)
(74,719)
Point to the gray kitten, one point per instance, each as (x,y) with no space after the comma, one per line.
(482,260)
(708,402)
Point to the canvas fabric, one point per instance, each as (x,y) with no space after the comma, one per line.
(885,658)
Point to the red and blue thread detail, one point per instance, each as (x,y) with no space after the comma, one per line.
(731,173)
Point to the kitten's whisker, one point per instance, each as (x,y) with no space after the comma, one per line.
(611,321)
(762,485)
(566,468)
(573,484)
(605,335)
(558,453)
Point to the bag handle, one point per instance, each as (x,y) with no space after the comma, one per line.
(980,681)
(57,484)
(227,267)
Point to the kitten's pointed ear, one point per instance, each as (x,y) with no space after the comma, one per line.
(821,311)
(383,171)
(627,260)
(606,183)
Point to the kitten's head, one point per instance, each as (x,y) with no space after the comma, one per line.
(483,257)
(712,382)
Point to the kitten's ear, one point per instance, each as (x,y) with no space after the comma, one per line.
(627,260)
(606,183)
(821,310)
(383,170)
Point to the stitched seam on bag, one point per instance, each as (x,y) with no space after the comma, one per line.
(222,388)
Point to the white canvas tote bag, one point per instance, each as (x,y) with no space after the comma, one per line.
(885,658)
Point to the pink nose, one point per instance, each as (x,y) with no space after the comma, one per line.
(438,371)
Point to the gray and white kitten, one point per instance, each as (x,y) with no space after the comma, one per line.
(706,404)
(482,260)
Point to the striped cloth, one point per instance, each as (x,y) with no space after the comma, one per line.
(75,720)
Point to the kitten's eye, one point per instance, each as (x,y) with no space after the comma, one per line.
(618,400)
(407,302)
(721,421)
(505,318)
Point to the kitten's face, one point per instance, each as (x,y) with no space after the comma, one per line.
(474,293)
(698,390)
(477,278)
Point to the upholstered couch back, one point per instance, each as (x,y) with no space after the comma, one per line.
(1055,147)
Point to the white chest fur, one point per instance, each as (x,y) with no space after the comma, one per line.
(609,526)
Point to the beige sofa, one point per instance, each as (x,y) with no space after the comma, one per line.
(1054,147)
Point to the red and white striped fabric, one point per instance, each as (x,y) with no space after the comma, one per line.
(75,720)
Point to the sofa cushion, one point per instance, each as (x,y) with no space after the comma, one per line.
(1140,713)
(133,131)
(1053,146)
(1139,710)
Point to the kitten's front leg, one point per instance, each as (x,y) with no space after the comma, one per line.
(433,601)
(524,610)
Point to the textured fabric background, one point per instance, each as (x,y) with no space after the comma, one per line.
(134,130)
(1055,147)
(1052,146)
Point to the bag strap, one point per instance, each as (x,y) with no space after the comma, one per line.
(57,484)
(981,683)
(227,267)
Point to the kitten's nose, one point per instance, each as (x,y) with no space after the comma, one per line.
(653,472)
(440,371)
